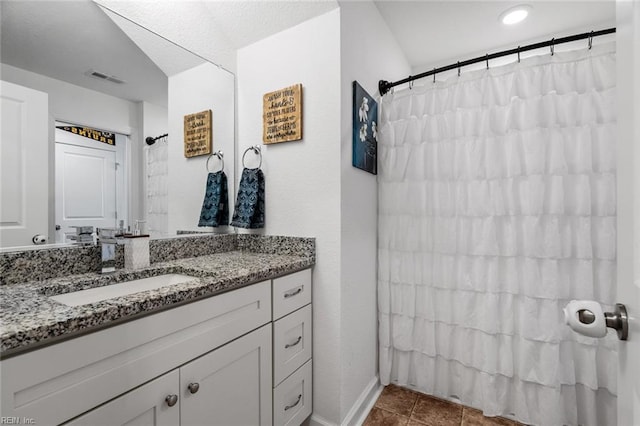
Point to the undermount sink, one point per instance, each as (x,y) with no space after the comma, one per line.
(98,294)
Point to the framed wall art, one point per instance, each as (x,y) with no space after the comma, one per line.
(365,132)
(197,134)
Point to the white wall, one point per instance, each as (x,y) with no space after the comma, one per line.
(368,53)
(75,104)
(303,177)
(198,89)
(312,189)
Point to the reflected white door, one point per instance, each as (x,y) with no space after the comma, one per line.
(85,188)
(628,188)
(24,164)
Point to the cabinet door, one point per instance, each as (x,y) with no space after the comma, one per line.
(231,385)
(146,405)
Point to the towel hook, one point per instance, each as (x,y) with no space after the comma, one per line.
(553,40)
(590,39)
(220,156)
(256,150)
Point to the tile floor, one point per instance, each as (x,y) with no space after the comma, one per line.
(398,406)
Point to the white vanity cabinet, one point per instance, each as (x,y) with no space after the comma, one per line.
(152,404)
(229,386)
(211,362)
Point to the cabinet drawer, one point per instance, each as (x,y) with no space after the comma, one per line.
(291,292)
(291,343)
(292,399)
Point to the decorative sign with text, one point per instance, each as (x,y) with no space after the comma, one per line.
(197,134)
(282,115)
(87,132)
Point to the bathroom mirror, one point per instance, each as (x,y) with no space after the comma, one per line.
(84,66)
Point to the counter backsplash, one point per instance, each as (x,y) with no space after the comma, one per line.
(37,265)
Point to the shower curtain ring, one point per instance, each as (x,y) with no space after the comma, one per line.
(410,83)
(458,68)
(518,54)
(487,59)
(434,75)
(553,40)
(590,39)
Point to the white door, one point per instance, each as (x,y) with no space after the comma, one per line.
(148,405)
(231,385)
(85,188)
(628,252)
(24,164)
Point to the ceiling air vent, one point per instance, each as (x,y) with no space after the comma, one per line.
(103,76)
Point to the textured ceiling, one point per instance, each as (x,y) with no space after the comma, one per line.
(246,22)
(36,35)
(168,57)
(433,33)
(66,39)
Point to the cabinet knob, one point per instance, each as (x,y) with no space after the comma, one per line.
(171,400)
(193,387)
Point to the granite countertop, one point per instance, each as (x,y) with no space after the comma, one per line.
(29,319)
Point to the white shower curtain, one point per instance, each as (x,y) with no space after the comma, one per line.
(157,188)
(497,207)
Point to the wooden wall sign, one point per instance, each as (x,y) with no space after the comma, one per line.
(197,134)
(282,115)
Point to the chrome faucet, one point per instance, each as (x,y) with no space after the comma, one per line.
(108,244)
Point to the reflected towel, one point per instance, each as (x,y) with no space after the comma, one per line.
(215,207)
(249,211)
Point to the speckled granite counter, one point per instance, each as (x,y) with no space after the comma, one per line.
(29,319)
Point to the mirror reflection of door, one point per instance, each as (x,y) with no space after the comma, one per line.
(23,164)
(89,179)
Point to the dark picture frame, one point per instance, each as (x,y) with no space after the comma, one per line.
(365,122)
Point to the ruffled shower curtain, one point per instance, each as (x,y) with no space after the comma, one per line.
(157,156)
(497,207)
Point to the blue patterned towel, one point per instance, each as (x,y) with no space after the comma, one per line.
(249,211)
(215,207)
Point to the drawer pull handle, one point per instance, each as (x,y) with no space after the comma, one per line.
(293,293)
(290,345)
(171,400)
(289,407)
(193,387)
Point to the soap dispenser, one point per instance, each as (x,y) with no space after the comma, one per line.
(136,248)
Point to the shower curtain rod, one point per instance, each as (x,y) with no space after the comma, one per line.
(151,140)
(384,86)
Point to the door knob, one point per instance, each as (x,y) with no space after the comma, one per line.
(587,317)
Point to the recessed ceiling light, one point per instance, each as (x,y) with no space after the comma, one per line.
(515,14)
